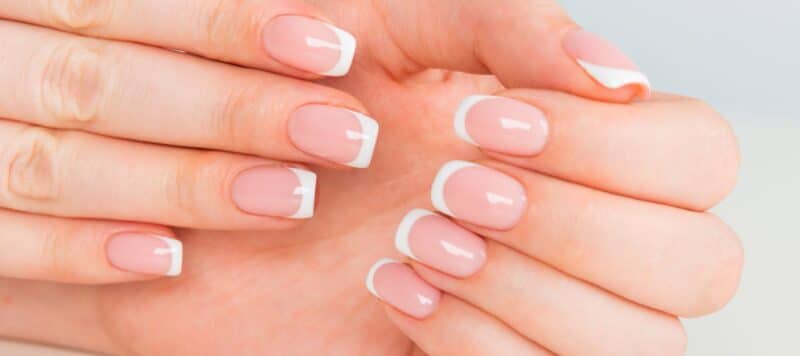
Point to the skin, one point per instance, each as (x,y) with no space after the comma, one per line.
(301,291)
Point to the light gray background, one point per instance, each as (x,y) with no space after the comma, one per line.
(743,57)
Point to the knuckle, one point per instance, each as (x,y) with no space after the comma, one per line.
(233,121)
(79,15)
(723,272)
(194,187)
(72,84)
(56,260)
(225,26)
(31,165)
(673,339)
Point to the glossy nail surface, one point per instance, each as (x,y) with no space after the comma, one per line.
(147,254)
(398,285)
(606,63)
(310,45)
(276,191)
(502,125)
(478,195)
(439,243)
(335,134)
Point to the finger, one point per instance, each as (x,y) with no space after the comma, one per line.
(124,90)
(531,44)
(458,328)
(564,315)
(675,151)
(54,314)
(85,251)
(283,36)
(79,175)
(684,263)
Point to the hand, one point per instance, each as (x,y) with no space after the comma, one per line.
(301,292)
(124,135)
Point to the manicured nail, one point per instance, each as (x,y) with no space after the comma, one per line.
(310,45)
(143,253)
(478,195)
(398,285)
(336,134)
(439,243)
(604,61)
(276,191)
(502,125)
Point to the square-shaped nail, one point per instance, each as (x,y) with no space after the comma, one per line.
(502,125)
(276,191)
(603,61)
(398,285)
(145,253)
(335,134)
(440,243)
(310,45)
(479,195)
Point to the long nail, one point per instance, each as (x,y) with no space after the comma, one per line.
(606,63)
(310,45)
(439,243)
(502,125)
(478,195)
(144,253)
(398,285)
(336,134)
(276,191)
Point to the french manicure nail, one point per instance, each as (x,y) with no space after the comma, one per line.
(336,134)
(478,195)
(501,124)
(398,285)
(439,243)
(276,191)
(147,254)
(310,45)
(606,63)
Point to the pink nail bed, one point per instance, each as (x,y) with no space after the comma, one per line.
(602,60)
(310,45)
(276,191)
(398,285)
(333,133)
(478,195)
(501,124)
(147,254)
(439,243)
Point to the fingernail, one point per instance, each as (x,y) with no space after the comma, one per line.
(478,195)
(310,45)
(502,125)
(398,285)
(276,191)
(147,254)
(604,61)
(336,134)
(439,243)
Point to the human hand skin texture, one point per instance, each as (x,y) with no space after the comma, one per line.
(610,175)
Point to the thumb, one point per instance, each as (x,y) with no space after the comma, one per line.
(525,43)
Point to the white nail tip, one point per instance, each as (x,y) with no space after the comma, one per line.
(460,119)
(371,275)
(308,191)
(347,51)
(368,137)
(614,78)
(175,250)
(437,190)
(404,230)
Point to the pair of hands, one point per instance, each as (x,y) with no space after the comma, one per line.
(608,247)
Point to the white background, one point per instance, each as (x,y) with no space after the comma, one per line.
(743,57)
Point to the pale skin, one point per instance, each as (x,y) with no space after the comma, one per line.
(617,248)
